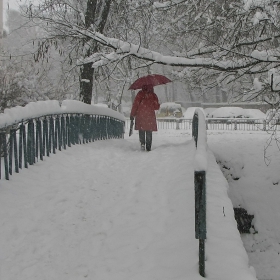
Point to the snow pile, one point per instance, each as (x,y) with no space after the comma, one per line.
(223,239)
(265,55)
(255,114)
(236,112)
(188,114)
(170,105)
(51,107)
(228,112)
(200,160)
(208,111)
(168,109)
(254,181)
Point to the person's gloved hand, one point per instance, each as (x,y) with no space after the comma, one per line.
(131,118)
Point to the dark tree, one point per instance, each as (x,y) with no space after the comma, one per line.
(96,14)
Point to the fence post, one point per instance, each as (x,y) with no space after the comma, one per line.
(200,196)
(200,216)
(63,132)
(14,135)
(11,146)
(3,149)
(5,153)
(177,124)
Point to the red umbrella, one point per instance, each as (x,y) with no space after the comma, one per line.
(154,80)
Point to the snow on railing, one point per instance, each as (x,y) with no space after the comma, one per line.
(29,133)
(200,167)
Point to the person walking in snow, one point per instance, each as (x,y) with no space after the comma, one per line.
(143,110)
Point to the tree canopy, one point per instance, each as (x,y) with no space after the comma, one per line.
(208,43)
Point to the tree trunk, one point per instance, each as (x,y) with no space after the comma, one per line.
(96,14)
(86,83)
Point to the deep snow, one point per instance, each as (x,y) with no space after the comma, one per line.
(252,158)
(106,210)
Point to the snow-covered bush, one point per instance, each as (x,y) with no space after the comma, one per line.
(170,109)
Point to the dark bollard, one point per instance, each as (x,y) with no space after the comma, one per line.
(200,216)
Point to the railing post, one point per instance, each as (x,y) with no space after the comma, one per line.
(11,146)
(44,135)
(24,143)
(5,154)
(52,140)
(37,145)
(58,138)
(177,124)
(202,257)
(94,128)
(200,190)
(72,130)
(40,139)
(63,132)
(14,135)
(30,142)
(200,216)
(68,131)
(20,148)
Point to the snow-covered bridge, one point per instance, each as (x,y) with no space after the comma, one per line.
(106,210)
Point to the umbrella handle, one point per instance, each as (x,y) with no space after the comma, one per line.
(131,128)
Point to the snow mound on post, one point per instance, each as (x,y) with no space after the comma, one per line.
(228,112)
(200,160)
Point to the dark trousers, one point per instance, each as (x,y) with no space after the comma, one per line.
(146,138)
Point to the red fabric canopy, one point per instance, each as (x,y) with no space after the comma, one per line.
(154,80)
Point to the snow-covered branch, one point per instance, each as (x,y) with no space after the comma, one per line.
(124,48)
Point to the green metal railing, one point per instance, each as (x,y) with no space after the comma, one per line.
(200,199)
(25,143)
(228,124)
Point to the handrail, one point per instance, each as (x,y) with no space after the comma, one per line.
(200,167)
(29,137)
(244,124)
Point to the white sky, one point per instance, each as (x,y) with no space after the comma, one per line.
(14,5)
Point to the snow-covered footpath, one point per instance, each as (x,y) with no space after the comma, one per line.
(106,210)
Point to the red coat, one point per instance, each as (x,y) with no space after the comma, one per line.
(143,109)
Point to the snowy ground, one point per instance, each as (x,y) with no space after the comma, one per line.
(257,190)
(106,210)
